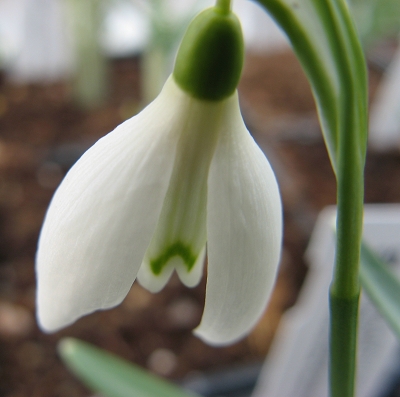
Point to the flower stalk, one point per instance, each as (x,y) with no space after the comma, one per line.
(335,65)
(224,6)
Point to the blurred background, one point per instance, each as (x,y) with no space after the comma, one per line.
(70,72)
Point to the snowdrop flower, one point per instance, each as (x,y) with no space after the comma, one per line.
(182,178)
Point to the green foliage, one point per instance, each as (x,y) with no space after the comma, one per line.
(111,376)
(325,41)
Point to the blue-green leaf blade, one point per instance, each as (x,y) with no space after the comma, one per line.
(112,376)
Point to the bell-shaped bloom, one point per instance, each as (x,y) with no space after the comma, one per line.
(181,178)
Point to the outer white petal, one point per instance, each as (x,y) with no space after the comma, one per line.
(244,228)
(104,213)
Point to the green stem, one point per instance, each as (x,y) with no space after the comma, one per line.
(224,6)
(343,345)
(340,88)
(345,287)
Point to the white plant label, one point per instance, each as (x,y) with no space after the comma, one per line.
(297,365)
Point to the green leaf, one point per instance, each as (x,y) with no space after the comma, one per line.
(326,44)
(110,375)
(324,39)
(382,287)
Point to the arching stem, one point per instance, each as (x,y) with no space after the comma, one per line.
(224,6)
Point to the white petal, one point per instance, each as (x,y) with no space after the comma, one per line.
(152,282)
(104,213)
(244,230)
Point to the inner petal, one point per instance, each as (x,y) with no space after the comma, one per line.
(177,249)
(181,229)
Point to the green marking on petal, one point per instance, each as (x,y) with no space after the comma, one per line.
(176,249)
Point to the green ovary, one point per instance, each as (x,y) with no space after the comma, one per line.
(176,249)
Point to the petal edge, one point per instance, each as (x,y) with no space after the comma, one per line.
(244,228)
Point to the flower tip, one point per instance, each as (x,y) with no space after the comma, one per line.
(48,321)
(47,327)
(213,339)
